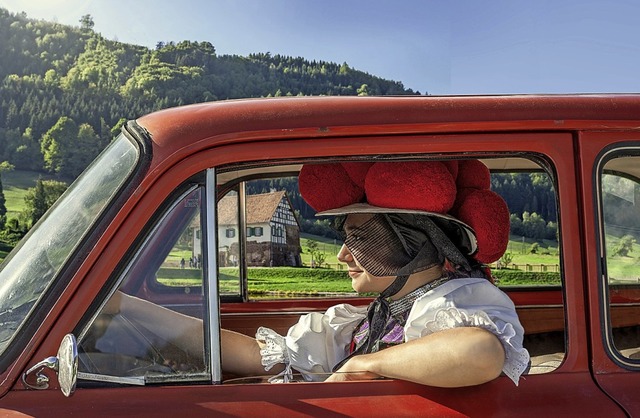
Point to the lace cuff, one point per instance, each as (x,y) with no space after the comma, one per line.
(517,357)
(274,352)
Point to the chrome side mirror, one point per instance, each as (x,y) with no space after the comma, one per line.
(65,364)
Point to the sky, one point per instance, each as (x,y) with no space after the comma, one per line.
(439,47)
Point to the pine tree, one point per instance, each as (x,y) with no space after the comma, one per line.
(39,204)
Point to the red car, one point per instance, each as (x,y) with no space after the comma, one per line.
(187,202)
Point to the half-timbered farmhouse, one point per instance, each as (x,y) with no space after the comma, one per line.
(272,233)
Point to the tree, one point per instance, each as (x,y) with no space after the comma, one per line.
(25,152)
(624,246)
(4,166)
(363,90)
(505,260)
(35,200)
(86,22)
(58,146)
(88,146)
(13,231)
(535,247)
(317,256)
(40,198)
(534,226)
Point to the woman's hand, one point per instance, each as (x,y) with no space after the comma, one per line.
(450,358)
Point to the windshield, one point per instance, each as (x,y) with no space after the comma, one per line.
(32,266)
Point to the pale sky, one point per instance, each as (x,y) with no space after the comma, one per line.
(435,46)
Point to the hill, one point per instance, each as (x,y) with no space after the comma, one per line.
(51,71)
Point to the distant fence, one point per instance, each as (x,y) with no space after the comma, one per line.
(542,268)
(551,268)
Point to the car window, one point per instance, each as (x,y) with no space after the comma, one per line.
(289,253)
(620,234)
(34,264)
(137,337)
(283,234)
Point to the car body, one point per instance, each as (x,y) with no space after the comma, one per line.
(168,172)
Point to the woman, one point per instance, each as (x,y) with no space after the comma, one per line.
(438,319)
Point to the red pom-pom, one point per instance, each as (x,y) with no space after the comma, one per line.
(460,197)
(452,166)
(357,171)
(487,213)
(426,185)
(328,186)
(473,174)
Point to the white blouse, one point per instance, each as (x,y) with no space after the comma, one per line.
(319,341)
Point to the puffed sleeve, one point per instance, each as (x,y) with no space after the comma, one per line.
(313,345)
(472,302)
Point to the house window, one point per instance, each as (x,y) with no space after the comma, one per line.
(257,231)
(230,233)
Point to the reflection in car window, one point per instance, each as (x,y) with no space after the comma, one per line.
(620,193)
(137,334)
(32,266)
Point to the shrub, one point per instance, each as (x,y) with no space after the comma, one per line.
(523,278)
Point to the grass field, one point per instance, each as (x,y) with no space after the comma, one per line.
(328,247)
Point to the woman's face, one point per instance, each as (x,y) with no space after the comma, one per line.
(361,280)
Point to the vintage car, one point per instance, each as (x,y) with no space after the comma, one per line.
(169,199)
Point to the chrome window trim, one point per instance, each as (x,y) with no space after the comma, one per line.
(212,291)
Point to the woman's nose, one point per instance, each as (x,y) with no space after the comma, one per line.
(344,255)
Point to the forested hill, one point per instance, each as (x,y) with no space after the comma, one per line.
(66,90)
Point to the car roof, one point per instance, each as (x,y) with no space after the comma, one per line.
(236,121)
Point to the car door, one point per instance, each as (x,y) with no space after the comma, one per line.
(610,162)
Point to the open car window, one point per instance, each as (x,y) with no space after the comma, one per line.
(283,234)
(288,253)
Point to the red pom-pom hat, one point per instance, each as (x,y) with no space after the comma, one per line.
(457,191)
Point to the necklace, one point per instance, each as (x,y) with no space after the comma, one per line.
(399,306)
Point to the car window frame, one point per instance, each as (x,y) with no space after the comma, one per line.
(135,249)
(609,153)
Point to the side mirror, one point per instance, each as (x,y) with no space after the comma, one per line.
(65,364)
